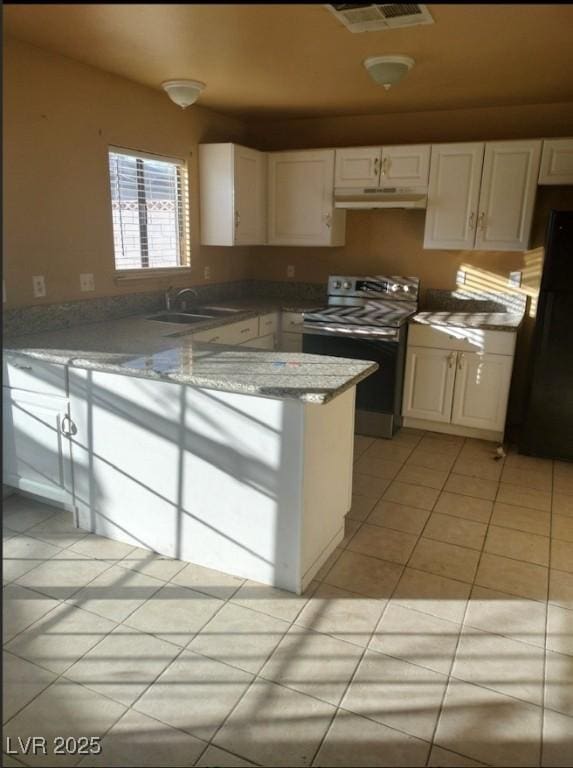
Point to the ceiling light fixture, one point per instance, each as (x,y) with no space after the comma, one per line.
(183,92)
(388,70)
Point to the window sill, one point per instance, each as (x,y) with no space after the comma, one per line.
(146,274)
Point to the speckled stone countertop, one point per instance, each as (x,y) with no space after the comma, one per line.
(466,308)
(139,347)
(490,321)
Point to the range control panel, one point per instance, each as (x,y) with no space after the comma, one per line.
(380,286)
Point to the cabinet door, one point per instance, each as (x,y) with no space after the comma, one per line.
(250,196)
(291,342)
(357,167)
(406,166)
(36,455)
(301,211)
(556,162)
(429,383)
(507,195)
(262,342)
(482,390)
(453,193)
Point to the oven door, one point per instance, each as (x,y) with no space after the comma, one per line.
(378,397)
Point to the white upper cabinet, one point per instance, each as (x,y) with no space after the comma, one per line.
(556,162)
(490,210)
(453,194)
(233,195)
(401,166)
(301,199)
(405,166)
(357,167)
(507,195)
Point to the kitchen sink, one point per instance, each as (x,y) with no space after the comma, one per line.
(180,317)
(216,311)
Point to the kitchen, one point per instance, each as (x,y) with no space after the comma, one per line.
(189,478)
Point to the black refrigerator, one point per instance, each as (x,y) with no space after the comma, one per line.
(548,425)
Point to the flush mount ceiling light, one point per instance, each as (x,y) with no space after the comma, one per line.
(388,70)
(183,92)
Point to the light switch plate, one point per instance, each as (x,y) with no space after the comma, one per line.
(290,270)
(207,273)
(515,279)
(38,286)
(87,282)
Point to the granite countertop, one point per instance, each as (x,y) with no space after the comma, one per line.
(139,347)
(468,308)
(490,321)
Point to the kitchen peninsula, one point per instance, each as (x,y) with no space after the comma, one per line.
(226,456)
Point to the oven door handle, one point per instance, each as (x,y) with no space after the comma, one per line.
(390,334)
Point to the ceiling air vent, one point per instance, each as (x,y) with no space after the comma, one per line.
(366,17)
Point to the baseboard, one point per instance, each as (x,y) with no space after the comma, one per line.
(453,429)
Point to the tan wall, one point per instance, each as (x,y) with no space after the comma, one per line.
(515,122)
(59,118)
(391,241)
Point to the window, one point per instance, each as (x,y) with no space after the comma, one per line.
(150,210)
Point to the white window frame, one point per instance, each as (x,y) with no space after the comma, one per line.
(185,238)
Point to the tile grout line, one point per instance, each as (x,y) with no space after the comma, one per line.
(545,649)
(367,645)
(458,641)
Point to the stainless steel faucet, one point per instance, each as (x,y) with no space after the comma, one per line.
(171,303)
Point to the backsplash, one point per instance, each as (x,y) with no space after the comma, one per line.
(460,300)
(53,317)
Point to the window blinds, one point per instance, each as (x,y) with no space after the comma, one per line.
(149,211)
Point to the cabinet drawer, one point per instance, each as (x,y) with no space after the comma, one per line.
(461,339)
(29,374)
(292,322)
(268,323)
(232,333)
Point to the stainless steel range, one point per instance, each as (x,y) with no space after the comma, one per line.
(367,319)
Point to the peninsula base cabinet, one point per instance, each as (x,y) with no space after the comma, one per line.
(36,447)
(234,482)
(460,387)
(238,483)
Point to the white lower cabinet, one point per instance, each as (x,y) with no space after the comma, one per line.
(291,342)
(481,390)
(262,342)
(455,390)
(36,448)
(429,383)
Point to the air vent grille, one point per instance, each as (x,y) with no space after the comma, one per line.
(374,17)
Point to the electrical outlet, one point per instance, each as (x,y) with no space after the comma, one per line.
(39,286)
(87,281)
(207,273)
(290,270)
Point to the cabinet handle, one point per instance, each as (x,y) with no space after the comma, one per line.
(472,221)
(237,219)
(376,167)
(245,330)
(451,359)
(23,367)
(461,361)
(215,338)
(328,220)
(385,166)
(481,221)
(67,427)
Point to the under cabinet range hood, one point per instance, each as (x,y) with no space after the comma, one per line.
(378,197)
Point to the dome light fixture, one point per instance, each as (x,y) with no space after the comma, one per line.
(183,92)
(388,70)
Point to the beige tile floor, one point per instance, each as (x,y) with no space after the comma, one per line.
(439,633)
